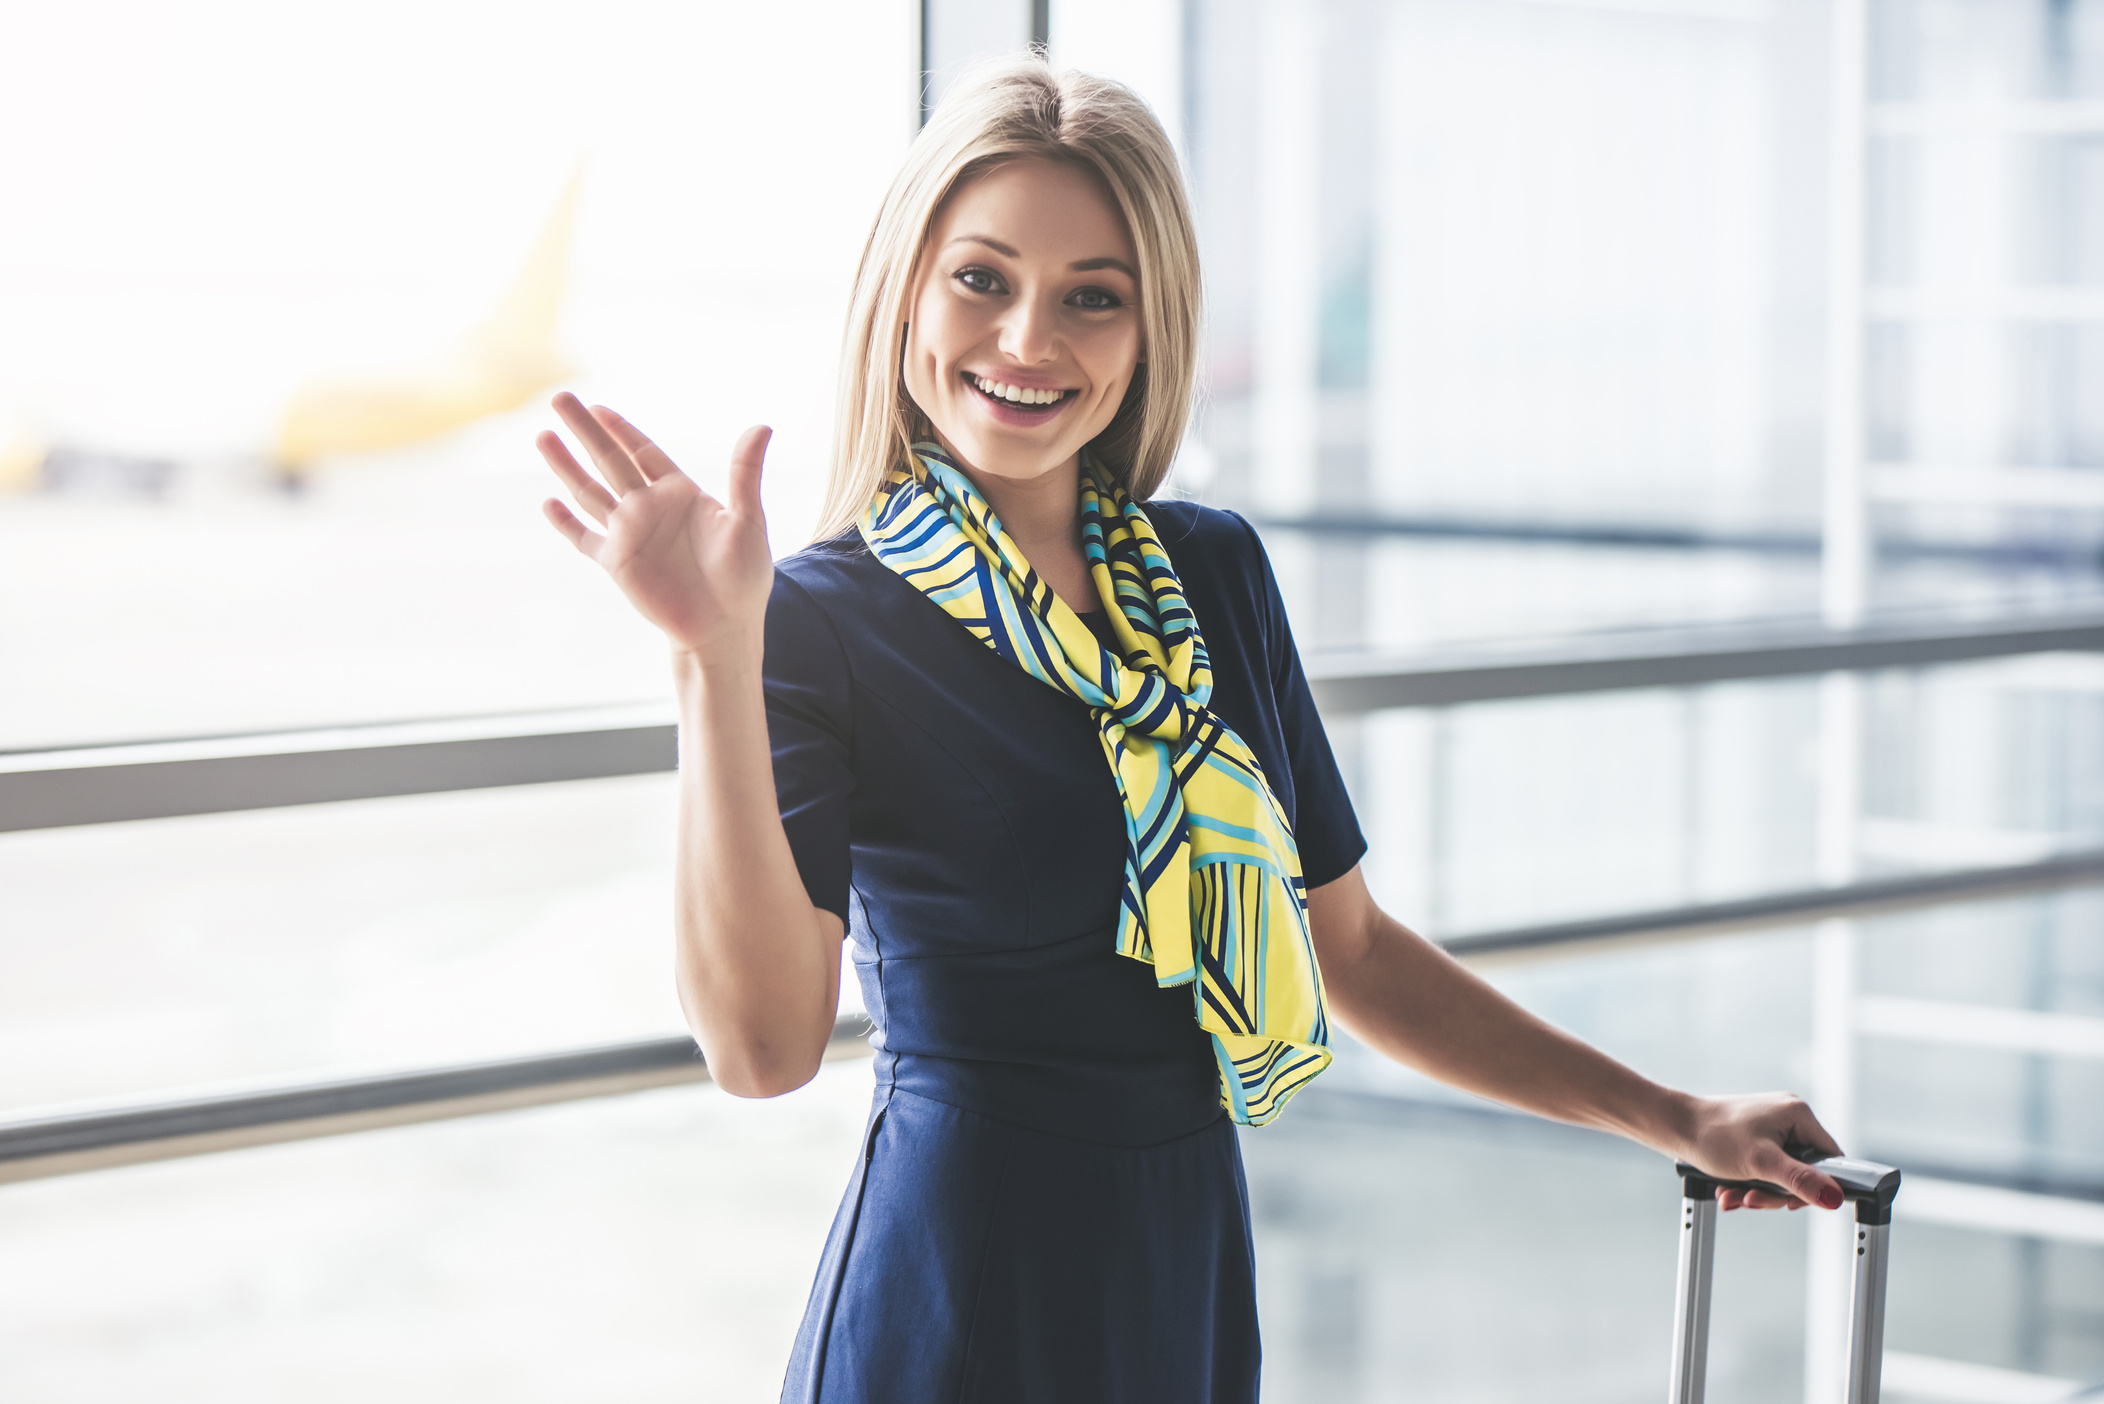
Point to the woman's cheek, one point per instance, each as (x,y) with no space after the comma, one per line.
(1122,350)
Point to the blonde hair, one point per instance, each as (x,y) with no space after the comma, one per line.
(1002,112)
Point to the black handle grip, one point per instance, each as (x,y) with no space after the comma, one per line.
(1867,1184)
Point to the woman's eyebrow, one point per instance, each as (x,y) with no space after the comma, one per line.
(1090,265)
(995,244)
(1086,265)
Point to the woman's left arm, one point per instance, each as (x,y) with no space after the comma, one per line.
(1401,994)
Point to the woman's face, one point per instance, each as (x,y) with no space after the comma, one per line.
(1025,319)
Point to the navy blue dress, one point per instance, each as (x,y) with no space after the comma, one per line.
(1049,1204)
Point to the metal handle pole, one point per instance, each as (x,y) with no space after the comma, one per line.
(1691,1305)
(1871,1186)
(1866,1314)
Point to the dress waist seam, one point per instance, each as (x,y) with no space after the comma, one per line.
(893,1091)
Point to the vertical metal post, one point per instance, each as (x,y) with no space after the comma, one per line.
(1691,1301)
(955,33)
(1845,573)
(1287,423)
(1845,534)
(924,79)
(1866,1314)
(1835,982)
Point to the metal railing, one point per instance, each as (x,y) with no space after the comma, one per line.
(40,1145)
(1618,662)
(36,1146)
(2071,487)
(217,775)
(1870,897)
(168,779)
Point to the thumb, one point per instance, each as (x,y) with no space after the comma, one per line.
(748,455)
(1779,1167)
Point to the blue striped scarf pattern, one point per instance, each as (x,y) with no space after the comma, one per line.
(1213,894)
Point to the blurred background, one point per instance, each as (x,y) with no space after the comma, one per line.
(1678,426)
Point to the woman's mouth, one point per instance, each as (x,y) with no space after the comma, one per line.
(1018,404)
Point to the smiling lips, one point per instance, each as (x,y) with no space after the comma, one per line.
(1019,401)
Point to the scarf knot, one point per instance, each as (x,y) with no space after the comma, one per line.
(1213,894)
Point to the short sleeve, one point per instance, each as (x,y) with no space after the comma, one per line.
(810,731)
(1325,826)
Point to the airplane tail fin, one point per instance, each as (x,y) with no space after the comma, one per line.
(503,362)
(519,340)
(22,451)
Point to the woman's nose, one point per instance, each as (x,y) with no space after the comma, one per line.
(1028,334)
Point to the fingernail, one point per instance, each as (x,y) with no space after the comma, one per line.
(1830,1197)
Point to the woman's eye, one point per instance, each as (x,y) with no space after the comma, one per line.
(979,280)
(1095,299)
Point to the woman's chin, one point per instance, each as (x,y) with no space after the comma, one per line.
(1005,451)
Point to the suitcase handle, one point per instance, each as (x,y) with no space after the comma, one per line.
(1871,1186)
(1865,1183)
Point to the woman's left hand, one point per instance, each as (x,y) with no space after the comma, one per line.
(1742,1138)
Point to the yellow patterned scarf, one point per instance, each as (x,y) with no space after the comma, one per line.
(1214,896)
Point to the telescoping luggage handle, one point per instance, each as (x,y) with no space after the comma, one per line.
(1870,1186)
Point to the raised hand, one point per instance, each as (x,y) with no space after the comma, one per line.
(697,568)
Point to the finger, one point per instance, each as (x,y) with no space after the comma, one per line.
(650,460)
(748,457)
(582,485)
(565,521)
(614,464)
(1773,1164)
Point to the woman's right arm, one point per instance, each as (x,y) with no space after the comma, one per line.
(757,963)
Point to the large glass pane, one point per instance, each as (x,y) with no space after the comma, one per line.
(268,238)
(1501,814)
(377,934)
(1985,192)
(1514,262)
(1517,308)
(638,1249)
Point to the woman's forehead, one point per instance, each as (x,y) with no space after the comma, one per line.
(1034,208)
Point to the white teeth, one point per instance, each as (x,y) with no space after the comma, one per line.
(1016,394)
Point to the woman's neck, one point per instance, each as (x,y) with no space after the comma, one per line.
(1042,515)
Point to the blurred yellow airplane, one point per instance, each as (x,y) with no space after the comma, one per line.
(501,364)
(21,459)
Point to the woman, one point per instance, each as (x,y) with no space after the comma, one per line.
(1049,755)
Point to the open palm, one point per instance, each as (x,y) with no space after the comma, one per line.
(697,568)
